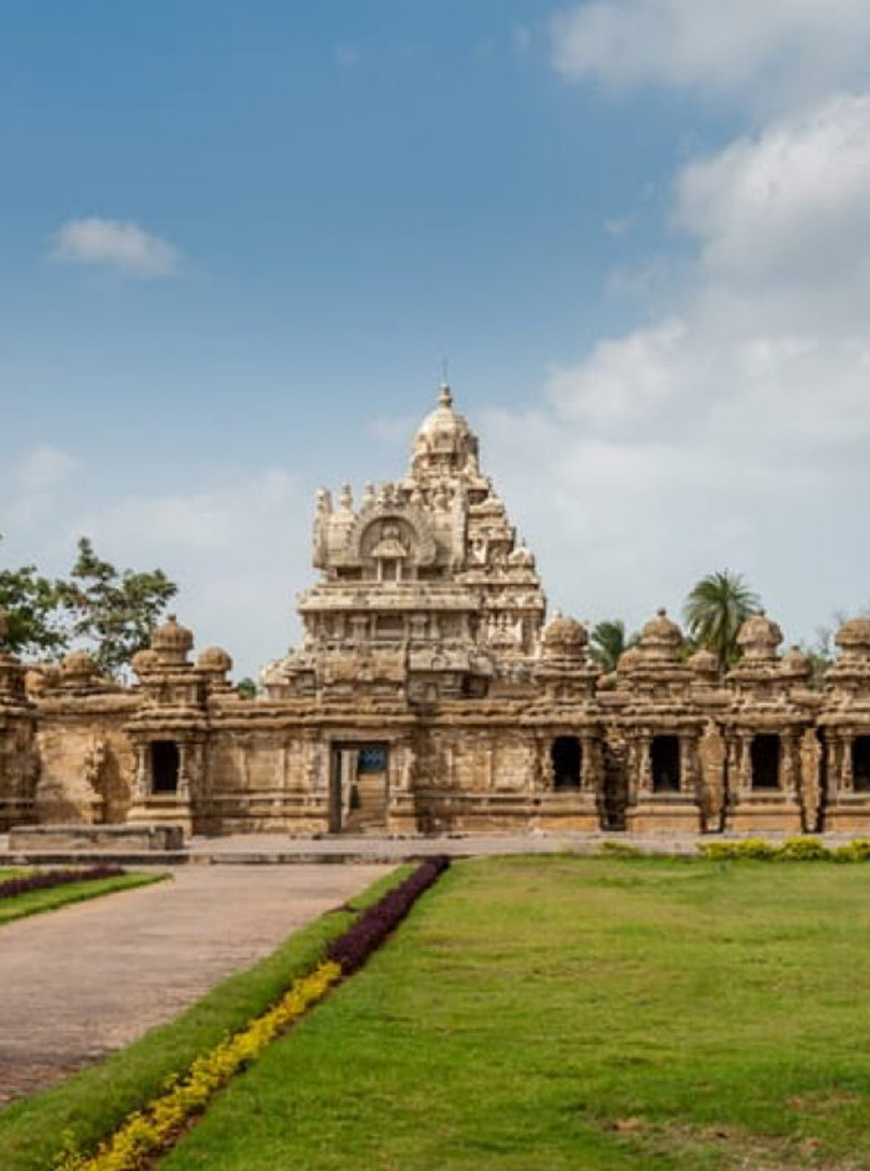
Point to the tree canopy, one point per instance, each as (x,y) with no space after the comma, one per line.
(714,611)
(32,607)
(607,641)
(110,612)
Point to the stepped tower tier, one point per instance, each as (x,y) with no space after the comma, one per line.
(426,571)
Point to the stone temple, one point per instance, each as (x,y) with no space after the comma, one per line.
(430,694)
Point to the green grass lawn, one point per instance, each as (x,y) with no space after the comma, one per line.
(32,903)
(90,1104)
(539,1014)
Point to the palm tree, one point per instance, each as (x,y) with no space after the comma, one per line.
(714,611)
(607,642)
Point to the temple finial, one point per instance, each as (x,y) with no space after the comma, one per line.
(445,394)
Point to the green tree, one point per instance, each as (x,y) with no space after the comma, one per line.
(714,611)
(247,688)
(608,641)
(114,611)
(31,604)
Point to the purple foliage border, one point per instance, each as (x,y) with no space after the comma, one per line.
(46,879)
(353,948)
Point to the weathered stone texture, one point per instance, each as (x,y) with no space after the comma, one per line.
(428,694)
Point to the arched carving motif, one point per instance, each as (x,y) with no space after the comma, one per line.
(425,549)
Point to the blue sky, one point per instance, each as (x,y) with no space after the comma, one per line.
(238,240)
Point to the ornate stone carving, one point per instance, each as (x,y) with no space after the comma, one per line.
(427,684)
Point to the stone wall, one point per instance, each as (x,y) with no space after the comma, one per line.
(429,695)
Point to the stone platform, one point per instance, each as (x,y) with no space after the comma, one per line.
(279,849)
(126,838)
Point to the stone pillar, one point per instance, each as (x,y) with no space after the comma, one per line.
(141,777)
(631,770)
(786,764)
(401,801)
(542,778)
(183,771)
(744,771)
(645,787)
(688,773)
(587,765)
(490,751)
(810,756)
(712,751)
(847,775)
(835,754)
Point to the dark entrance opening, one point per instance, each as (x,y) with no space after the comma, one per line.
(165,759)
(765,762)
(566,755)
(358,787)
(861,764)
(665,753)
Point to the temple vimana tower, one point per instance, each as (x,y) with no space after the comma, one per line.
(430,693)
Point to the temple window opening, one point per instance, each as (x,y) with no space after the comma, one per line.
(165,765)
(566,755)
(765,761)
(861,764)
(665,752)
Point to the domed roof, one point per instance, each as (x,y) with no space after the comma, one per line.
(628,660)
(704,662)
(444,441)
(77,665)
(145,661)
(759,637)
(796,663)
(854,636)
(214,660)
(563,637)
(660,637)
(444,420)
(661,627)
(172,641)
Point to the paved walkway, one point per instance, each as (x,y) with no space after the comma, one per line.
(79,982)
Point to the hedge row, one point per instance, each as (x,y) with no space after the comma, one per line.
(152,1131)
(791,850)
(46,879)
(352,949)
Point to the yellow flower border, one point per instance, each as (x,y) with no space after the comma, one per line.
(146,1131)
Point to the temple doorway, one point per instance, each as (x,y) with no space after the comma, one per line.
(665,755)
(358,788)
(165,764)
(765,761)
(566,755)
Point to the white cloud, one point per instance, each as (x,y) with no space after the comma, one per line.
(217,520)
(237,552)
(393,429)
(33,485)
(124,247)
(753,50)
(45,467)
(735,430)
(791,202)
